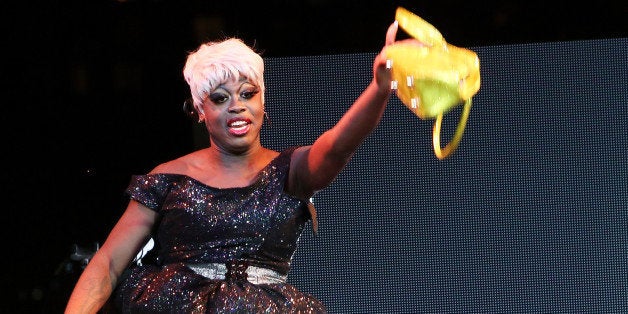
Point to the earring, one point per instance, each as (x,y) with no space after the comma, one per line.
(266,117)
(188,108)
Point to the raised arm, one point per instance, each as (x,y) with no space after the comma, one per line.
(100,277)
(315,167)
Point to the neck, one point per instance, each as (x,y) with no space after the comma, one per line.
(229,158)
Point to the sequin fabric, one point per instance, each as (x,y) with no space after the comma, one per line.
(258,224)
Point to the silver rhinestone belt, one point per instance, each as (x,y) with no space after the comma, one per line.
(238,271)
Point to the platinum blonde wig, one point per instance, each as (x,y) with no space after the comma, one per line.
(214,63)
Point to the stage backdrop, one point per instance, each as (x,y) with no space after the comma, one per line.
(529,215)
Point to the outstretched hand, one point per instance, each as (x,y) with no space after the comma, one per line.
(381,69)
(381,72)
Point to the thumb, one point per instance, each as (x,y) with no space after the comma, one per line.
(391,34)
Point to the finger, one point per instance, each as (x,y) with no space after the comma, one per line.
(392,33)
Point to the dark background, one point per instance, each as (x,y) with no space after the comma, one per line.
(94,92)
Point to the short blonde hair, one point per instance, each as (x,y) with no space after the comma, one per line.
(214,63)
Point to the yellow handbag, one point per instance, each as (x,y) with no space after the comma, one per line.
(433,78)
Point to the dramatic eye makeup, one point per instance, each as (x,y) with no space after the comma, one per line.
(223,93)
(249,93)
(219,97)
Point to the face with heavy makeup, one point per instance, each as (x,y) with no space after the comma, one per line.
(233,113)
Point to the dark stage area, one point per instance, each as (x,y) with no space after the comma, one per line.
(95,93)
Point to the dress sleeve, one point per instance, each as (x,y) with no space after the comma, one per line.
(151,189)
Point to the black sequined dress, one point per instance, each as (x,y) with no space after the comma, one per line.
(258,225)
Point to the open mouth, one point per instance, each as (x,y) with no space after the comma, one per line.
(238,126)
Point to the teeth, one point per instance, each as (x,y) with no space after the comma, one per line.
(238,123)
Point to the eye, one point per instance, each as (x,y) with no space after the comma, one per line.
(248,94)
(218,98)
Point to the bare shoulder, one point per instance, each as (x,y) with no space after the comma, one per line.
(269,154)
(179,165)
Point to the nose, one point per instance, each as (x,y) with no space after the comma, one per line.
(237,107)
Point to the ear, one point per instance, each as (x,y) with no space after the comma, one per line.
(193,111)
